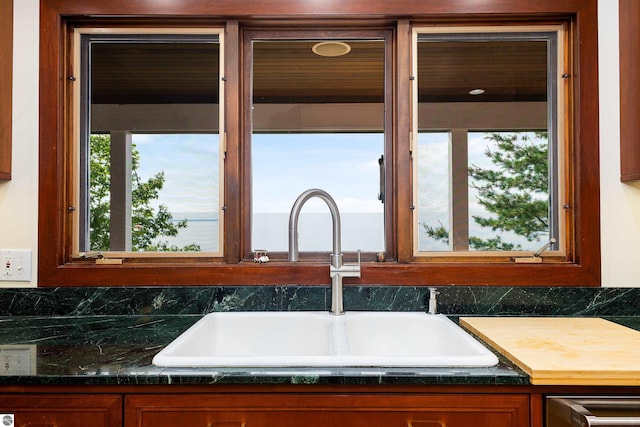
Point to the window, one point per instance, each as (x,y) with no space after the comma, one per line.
(149,169)
(318,121)
(247,99)
(489,132)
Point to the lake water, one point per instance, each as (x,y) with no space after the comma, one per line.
(270,231)
(362,231)
(202,228)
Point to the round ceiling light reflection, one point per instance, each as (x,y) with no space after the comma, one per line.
(331,49)
(476,92)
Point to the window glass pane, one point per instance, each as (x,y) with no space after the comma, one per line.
(318,122)
(191,185)
(344,165)
(486,165)
(149,143)
(433,190)
(508,190)
(163,216)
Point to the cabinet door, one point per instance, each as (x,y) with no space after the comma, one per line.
(74,410)
(629,91)
(6,72)
(311,410)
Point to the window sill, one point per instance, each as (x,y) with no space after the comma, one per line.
(316,273)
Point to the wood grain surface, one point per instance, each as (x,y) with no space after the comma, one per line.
(564,351)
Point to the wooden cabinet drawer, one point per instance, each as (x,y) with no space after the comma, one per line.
(62,410)
(310,410)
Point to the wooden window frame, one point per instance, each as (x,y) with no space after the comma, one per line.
(79,123)
(385,35)
(459,136)
(58,268)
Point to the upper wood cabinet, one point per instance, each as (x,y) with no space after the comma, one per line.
(6,64)
(629,90)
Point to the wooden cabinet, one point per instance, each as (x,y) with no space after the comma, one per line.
(6,65)
(62,410)
(322,410)
(629,90)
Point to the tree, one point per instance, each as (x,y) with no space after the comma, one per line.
(150,225)
(516,191)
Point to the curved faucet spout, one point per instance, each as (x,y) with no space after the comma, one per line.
(295,213)
(338,270)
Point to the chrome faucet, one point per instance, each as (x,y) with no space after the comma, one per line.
(338,269)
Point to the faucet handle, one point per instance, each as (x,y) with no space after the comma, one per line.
(356,266)
(433,300)
(349,269)
(352,269)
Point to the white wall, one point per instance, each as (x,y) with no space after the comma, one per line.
(19,197)
(620,203)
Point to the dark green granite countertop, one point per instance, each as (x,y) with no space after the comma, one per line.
(119,350)
(110,335)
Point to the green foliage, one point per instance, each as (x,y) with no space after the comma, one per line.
(99,193)
(149,225)
(515,192)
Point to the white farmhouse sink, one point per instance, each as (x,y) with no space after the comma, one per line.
(313,339)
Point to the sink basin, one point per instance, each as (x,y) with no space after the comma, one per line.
(313,339)
(414,339)
(251,339)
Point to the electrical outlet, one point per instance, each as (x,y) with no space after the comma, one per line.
(18,359)
(7,265)
(15,265)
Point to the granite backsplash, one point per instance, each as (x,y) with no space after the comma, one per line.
(197,300)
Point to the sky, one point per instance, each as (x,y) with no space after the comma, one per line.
(344,165)
(190,164)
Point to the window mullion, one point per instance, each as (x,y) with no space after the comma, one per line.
(459,191)
(121,189)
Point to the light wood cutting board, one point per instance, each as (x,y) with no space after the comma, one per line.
(564,351)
